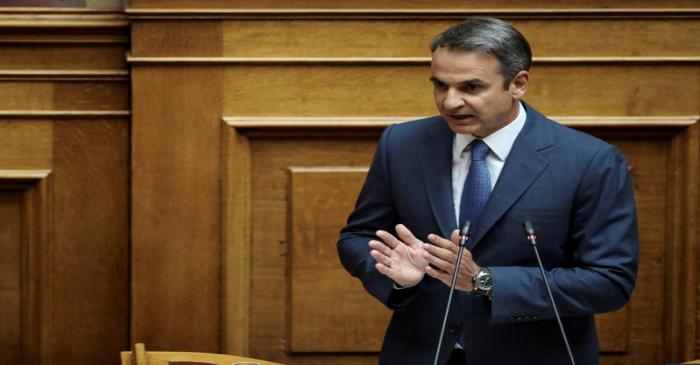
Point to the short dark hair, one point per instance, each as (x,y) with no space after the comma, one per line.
(489,35)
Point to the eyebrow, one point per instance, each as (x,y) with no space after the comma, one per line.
(461,83)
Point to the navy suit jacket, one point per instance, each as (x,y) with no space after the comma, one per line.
(576,191)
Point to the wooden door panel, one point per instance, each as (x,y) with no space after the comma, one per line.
(305,309)
(10,276)
(329,311)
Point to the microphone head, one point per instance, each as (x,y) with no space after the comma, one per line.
(529,229)
(466,228)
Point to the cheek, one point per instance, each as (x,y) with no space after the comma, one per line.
(478,105)
(439,98)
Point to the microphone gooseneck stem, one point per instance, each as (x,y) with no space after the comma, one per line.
(530,233)
(463,238)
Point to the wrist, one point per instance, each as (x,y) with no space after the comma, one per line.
(400,286)
(482,283)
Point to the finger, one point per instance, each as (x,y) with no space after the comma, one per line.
(383,269)
(381,247)
(442,263)
(444,243)
(441,248)
(380,258)
(388,239)
(455,237)
(395,275)
(446,278)
(407,236)
(463,282)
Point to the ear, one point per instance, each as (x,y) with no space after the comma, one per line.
(519,84)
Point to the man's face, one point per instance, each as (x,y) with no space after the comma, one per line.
(469,92)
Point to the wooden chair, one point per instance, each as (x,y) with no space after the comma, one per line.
(142,357)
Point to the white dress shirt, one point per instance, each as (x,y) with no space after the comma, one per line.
(500,143)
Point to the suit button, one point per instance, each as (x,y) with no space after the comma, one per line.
(454,329)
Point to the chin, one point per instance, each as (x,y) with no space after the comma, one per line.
(461,128)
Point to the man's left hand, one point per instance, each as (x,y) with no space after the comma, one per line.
(442,255)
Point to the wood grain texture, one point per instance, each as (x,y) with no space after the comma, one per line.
(176,208)
(586,37)
(176,38)
(90,245)
(64,106)
(26,144)
(91,96)
(31,19)
(400,4)
(630,334)
(64,75)
(11,272)
(328,310)
(310,60)
(26,96)
(26,157)
(346,123)
(64,95)
(648,158)
(44,36)
(236,251)
(682,243)
(313,90)
(27,56)
(25,294)
(271,158)
(37,230)
(394,61)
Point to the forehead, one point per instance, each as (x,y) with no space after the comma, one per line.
(448,64)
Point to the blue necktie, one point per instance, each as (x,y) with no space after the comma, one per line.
(477,186)
(476,191)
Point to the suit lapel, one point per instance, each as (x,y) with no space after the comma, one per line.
(436,163)
(523,165)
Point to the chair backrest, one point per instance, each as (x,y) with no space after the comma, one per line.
(142,357)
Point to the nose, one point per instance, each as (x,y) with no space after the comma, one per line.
(453,100)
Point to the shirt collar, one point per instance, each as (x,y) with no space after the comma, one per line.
(500,142)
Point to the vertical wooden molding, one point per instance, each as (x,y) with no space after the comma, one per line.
(176,241)
(35,343)
(38,215)
(236,242)
(681,254)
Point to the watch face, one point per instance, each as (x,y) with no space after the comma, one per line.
(484,282)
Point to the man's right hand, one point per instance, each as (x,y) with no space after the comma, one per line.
(400,259)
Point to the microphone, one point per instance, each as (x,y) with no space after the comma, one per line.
(463,238)
(530,235)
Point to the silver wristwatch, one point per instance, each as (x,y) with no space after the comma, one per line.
(482,283)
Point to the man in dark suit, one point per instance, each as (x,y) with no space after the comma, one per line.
(494,160)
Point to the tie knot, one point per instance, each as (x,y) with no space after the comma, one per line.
(479,150)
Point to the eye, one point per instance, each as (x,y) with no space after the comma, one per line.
(471,88)
(439,85)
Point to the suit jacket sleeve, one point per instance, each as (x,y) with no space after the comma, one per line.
(374,210)
(603,234)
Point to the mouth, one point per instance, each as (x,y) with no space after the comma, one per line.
(461,117)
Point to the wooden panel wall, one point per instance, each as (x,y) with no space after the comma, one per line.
(64,187)
(253,122)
